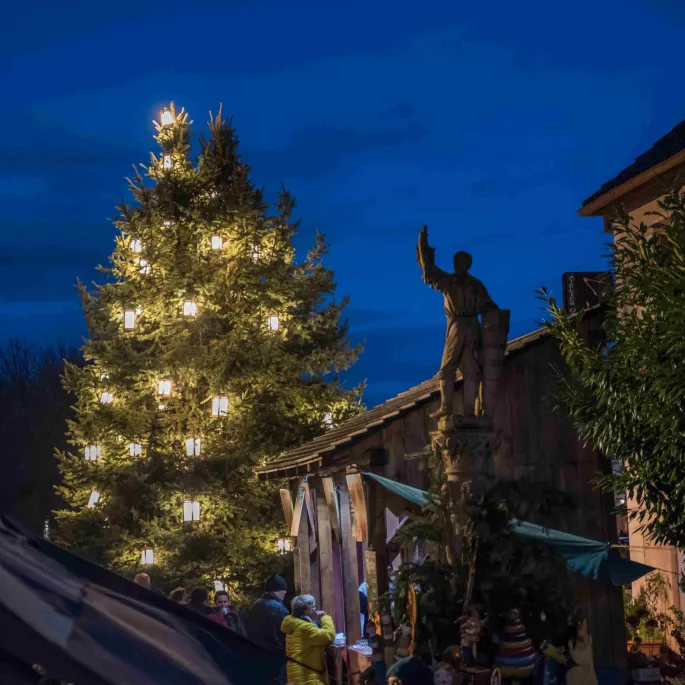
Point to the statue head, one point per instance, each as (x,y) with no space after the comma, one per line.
(462,262)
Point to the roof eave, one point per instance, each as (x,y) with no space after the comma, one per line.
(594,208)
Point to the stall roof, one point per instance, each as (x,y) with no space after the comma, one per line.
(317,453)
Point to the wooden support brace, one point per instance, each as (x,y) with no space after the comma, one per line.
(355,486)
(332,502)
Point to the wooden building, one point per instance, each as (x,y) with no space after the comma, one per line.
(340,539)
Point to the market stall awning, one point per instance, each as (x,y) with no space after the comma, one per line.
(593,559)
(411,494)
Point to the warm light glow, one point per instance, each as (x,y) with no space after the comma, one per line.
(136,245)
(328,419)
(104,376)
(284,545)
(94,499)
(106,398)
(92,452)
(217,242)
(219,406)
(129,319)
(161,407)
(135,449)
(218,585)
(255,253)
(147,556)
(273,323)
(144,266)
(189,308)
(164,388)
(193,447)
(166,117)
(167,223)
(167,162)
(191,510)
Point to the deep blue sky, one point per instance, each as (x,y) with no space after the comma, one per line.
(490,122)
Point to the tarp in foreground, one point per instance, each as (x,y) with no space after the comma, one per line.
(87,625)
(591,558)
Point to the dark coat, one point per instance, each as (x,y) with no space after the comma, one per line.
(264,619)
(231,620)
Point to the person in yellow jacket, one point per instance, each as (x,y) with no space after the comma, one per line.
(306,643)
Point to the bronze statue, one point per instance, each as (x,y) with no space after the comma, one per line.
(465,299)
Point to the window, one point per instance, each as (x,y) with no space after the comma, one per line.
(129,319)
(191,510)
(92,452)
(189,308)
(144,266)
(193,447)
(135,449)
(136,245)
(164,388)
(217,242)
(167,162)
(147,556)
(94,499)
(273,322)
(328,419)
(106,397)
(219,406)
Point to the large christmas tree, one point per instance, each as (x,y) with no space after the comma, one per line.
(210,350)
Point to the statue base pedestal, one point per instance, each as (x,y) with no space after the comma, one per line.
(466,445)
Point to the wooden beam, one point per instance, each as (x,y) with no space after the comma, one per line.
(325,554)
(355,486)
(332,501)
(353,629)
(297,511)
(287,503)
(378,537)
(311,512)
(301,558)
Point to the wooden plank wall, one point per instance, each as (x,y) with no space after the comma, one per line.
(544,447)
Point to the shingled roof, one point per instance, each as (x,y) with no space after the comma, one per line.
(664,150)
(313,454)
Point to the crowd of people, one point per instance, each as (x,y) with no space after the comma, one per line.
(300,635)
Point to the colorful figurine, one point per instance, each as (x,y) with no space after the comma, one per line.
(516,658)
(471,627)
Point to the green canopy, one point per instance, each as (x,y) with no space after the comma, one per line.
(593,559)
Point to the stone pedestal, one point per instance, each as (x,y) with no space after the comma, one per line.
(466,445)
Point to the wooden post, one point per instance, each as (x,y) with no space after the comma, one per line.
(378,535)
(325,554)
(353,630)
(355,487)
(287,503)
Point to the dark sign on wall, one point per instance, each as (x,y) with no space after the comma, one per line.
(583,289)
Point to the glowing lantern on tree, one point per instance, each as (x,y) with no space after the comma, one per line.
(92,452)
(164,388)
(166,117)
(129,319)
(94,499)
(167,162)
(273,322)
(189,308)
(217,242)
(191,510)
(193,447)
(147,556)
(219,406)
(284,545)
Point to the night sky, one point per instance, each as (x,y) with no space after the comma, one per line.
(490,122)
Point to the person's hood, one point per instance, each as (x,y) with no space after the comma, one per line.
(412,671)
(290,624)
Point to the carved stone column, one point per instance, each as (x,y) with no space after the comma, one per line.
(466,445)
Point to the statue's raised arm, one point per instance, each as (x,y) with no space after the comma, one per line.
(425,254)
